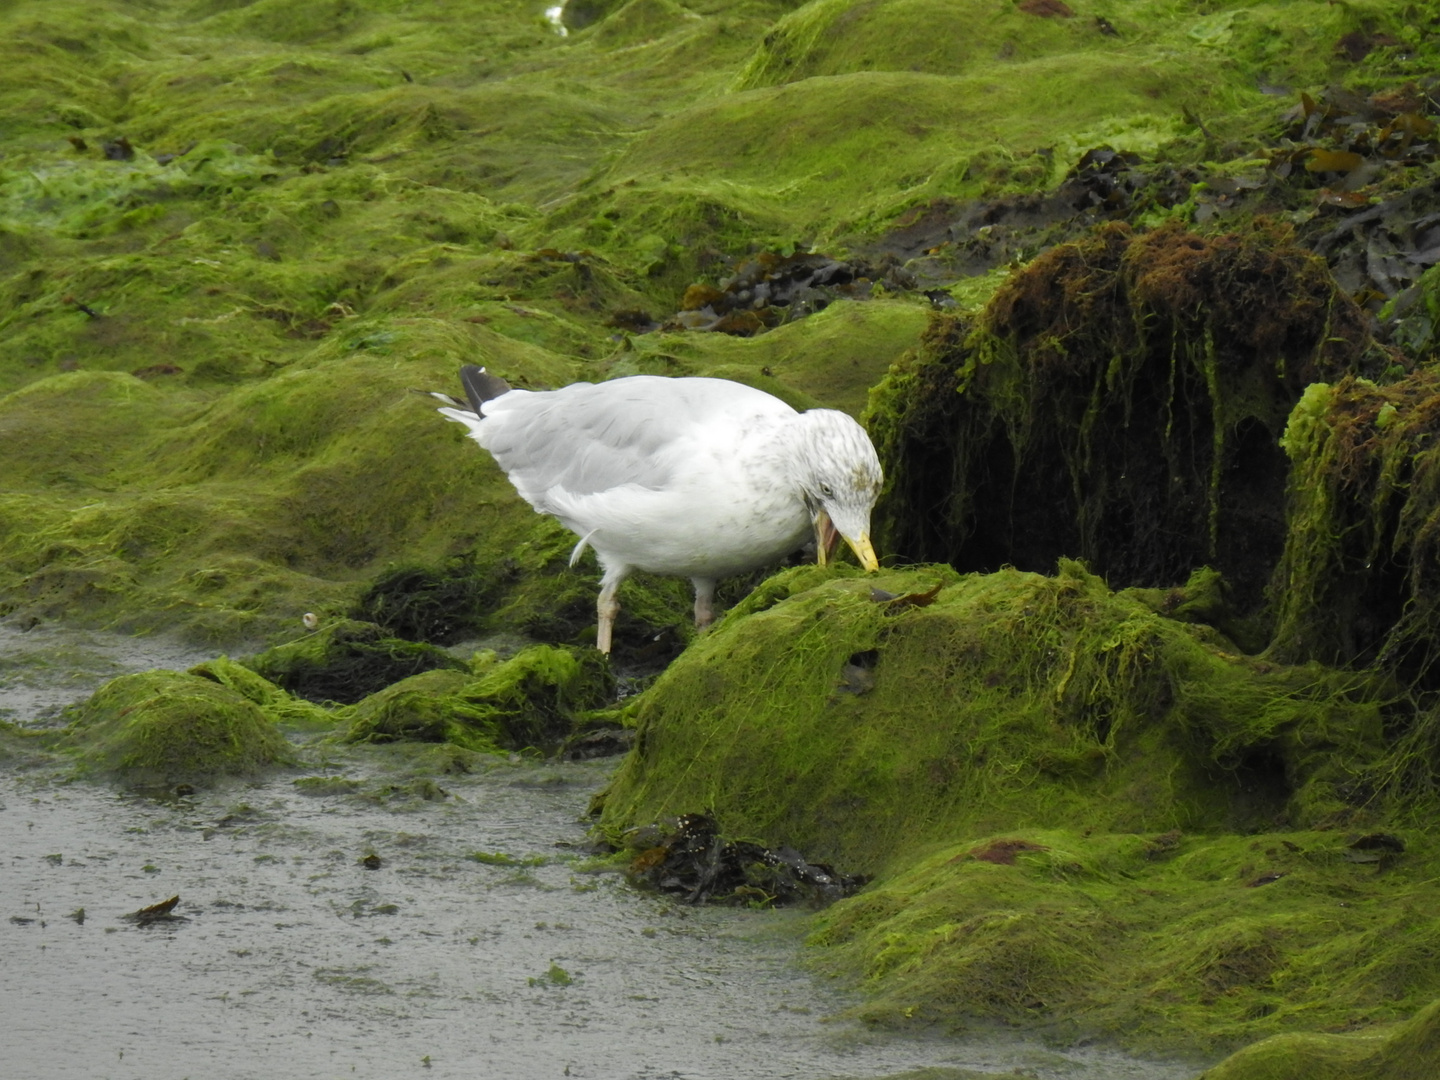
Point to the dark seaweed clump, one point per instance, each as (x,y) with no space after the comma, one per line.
(1120,400)
(347,661)
(771,288)
(693,860)
(420,603)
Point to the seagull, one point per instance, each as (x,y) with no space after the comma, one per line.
(686,477)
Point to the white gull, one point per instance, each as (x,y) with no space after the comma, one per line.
(691,477)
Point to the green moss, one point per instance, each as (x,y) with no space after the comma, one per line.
(531,700)
(162,727)
(854,730)
(345,661)
(1120,399)
(1405,1051)
(1170,944)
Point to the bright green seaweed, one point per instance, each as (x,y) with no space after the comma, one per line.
(1083,815)
(235,235)
(857,730)
(325,205)
(164,728)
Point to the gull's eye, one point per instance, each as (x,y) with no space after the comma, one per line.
(827,491)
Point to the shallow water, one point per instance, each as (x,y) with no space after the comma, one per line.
(44,669)
(485,944)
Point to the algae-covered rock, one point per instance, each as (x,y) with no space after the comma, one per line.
(1120,400)
(347,660)
(1359,580)
(1169,943)
(856,728)
(163,727)
(420,603)
(1081,813)
(1409,1051)
(531,700)
(279,705)
(422,708)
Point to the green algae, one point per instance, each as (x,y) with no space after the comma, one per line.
(1274,42)
(1405,1051)
(332,196)
(839,81)
(1113,403)
(532,700)
(164,727)
(1170,943)
(1355,582)
(345,661)
(207,349)
(236,517)
(418,603)
(290,712)
(1085,817)
(422,708)
(855,731)
(832,357)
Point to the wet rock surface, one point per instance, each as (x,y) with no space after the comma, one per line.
(691,860)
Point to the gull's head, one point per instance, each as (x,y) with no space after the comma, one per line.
(840,476)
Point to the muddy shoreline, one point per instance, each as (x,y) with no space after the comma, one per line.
(487,940)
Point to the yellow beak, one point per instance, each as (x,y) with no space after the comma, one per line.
(826,536)
(863,551)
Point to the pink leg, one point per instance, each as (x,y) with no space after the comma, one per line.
(608,606)
(704,602)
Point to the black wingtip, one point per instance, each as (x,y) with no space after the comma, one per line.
(481,386)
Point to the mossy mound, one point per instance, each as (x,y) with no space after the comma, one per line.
(228,519)
(856,728)
(279,705)
(832,37)
(1408,1051)
(165,727)
(831,358)
(423,708)
(945,100)
(835,37)
(346,661)
(1084,816)
(532,700)
(1358,583)
(1120,400)
(1170,943)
